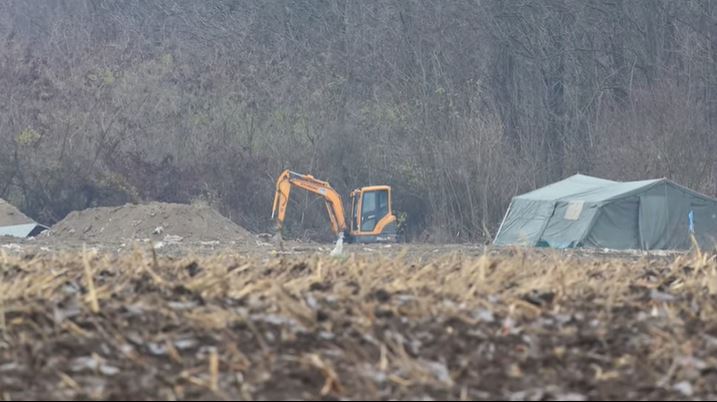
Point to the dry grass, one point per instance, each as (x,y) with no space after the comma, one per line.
(404,324)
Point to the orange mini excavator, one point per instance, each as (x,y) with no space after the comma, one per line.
(372,219)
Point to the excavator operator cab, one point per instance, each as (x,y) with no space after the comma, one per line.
(372,219)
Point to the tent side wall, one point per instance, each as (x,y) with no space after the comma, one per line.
(569,224)
(664,218)
(525,222)
(616,225)
(655,219)
(705,222)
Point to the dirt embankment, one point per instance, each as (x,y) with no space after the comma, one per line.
(154,221)
(9,215)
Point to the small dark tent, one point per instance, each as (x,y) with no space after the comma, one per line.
(584,211)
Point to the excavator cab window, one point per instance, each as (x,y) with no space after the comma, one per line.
(374,206)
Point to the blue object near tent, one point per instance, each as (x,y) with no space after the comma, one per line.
(692,221)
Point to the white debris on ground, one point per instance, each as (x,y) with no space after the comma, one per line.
(14,247)
(173,239)
(339,248)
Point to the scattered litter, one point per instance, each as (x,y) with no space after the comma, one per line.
(182,305)
(537,394)
(93,363)
(485,316)
(173,239)
(157,349)
(571,397)
(14,247)
(439,371)
(8,367)
(685,388)
(185,344)
(656,295)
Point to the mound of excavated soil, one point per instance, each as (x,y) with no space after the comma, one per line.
(9,215)
(155,221)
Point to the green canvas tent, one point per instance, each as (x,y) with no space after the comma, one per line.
(584,211)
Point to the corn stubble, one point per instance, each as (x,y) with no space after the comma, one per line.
(404,324)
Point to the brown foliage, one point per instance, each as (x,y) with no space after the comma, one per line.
(458,105)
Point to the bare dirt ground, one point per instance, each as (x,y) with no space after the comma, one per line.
(400,322)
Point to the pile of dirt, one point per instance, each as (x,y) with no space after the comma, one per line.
(172,223)
(9,215)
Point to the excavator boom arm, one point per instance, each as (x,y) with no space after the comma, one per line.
(289,179)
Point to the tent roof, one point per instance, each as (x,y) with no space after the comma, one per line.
(588,189)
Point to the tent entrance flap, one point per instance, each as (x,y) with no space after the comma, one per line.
(653,220)
(525,223)
(568,225)
(616,226)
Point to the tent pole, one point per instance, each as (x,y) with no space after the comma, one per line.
(500,228)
